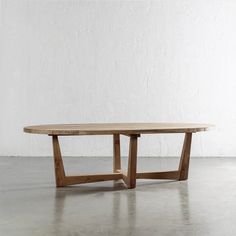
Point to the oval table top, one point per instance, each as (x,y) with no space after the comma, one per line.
(116,128)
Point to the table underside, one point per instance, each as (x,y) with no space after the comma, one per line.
(129,177)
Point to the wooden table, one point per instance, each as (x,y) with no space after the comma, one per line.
(133,131)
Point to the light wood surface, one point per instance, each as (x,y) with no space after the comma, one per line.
(133,131)
(181,173)
(58,163)
(132,162)
(80,179)
(131,176)
(63,180)
(185,157)
(116,128)
(158,175)
(116,153)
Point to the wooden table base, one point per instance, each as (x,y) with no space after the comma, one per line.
(131,176)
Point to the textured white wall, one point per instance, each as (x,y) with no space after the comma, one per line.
(117,61)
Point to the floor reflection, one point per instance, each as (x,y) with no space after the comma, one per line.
(62,194)
(124,206)
(120,209)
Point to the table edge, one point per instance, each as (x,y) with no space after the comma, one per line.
(110,132)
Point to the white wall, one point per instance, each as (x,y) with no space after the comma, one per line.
(118,61)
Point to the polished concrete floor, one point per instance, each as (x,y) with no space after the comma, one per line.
(31,205)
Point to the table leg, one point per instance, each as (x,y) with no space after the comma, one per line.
(58,163)
(116,153)
(132,164)
(63,180)
(185,157)
(181,173)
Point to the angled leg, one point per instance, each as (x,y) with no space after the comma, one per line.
(58,163)
(185,156)
(116,153)
(63,180)
(132,164)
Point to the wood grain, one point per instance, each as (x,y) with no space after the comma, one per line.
(58,163)
(116,128)
(132,162)
(70,180)
(133,130)
(116,153)
(185,157)
(158,175)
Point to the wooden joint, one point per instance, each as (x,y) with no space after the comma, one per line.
(132,135)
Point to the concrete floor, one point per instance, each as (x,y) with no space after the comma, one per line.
(31,205)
